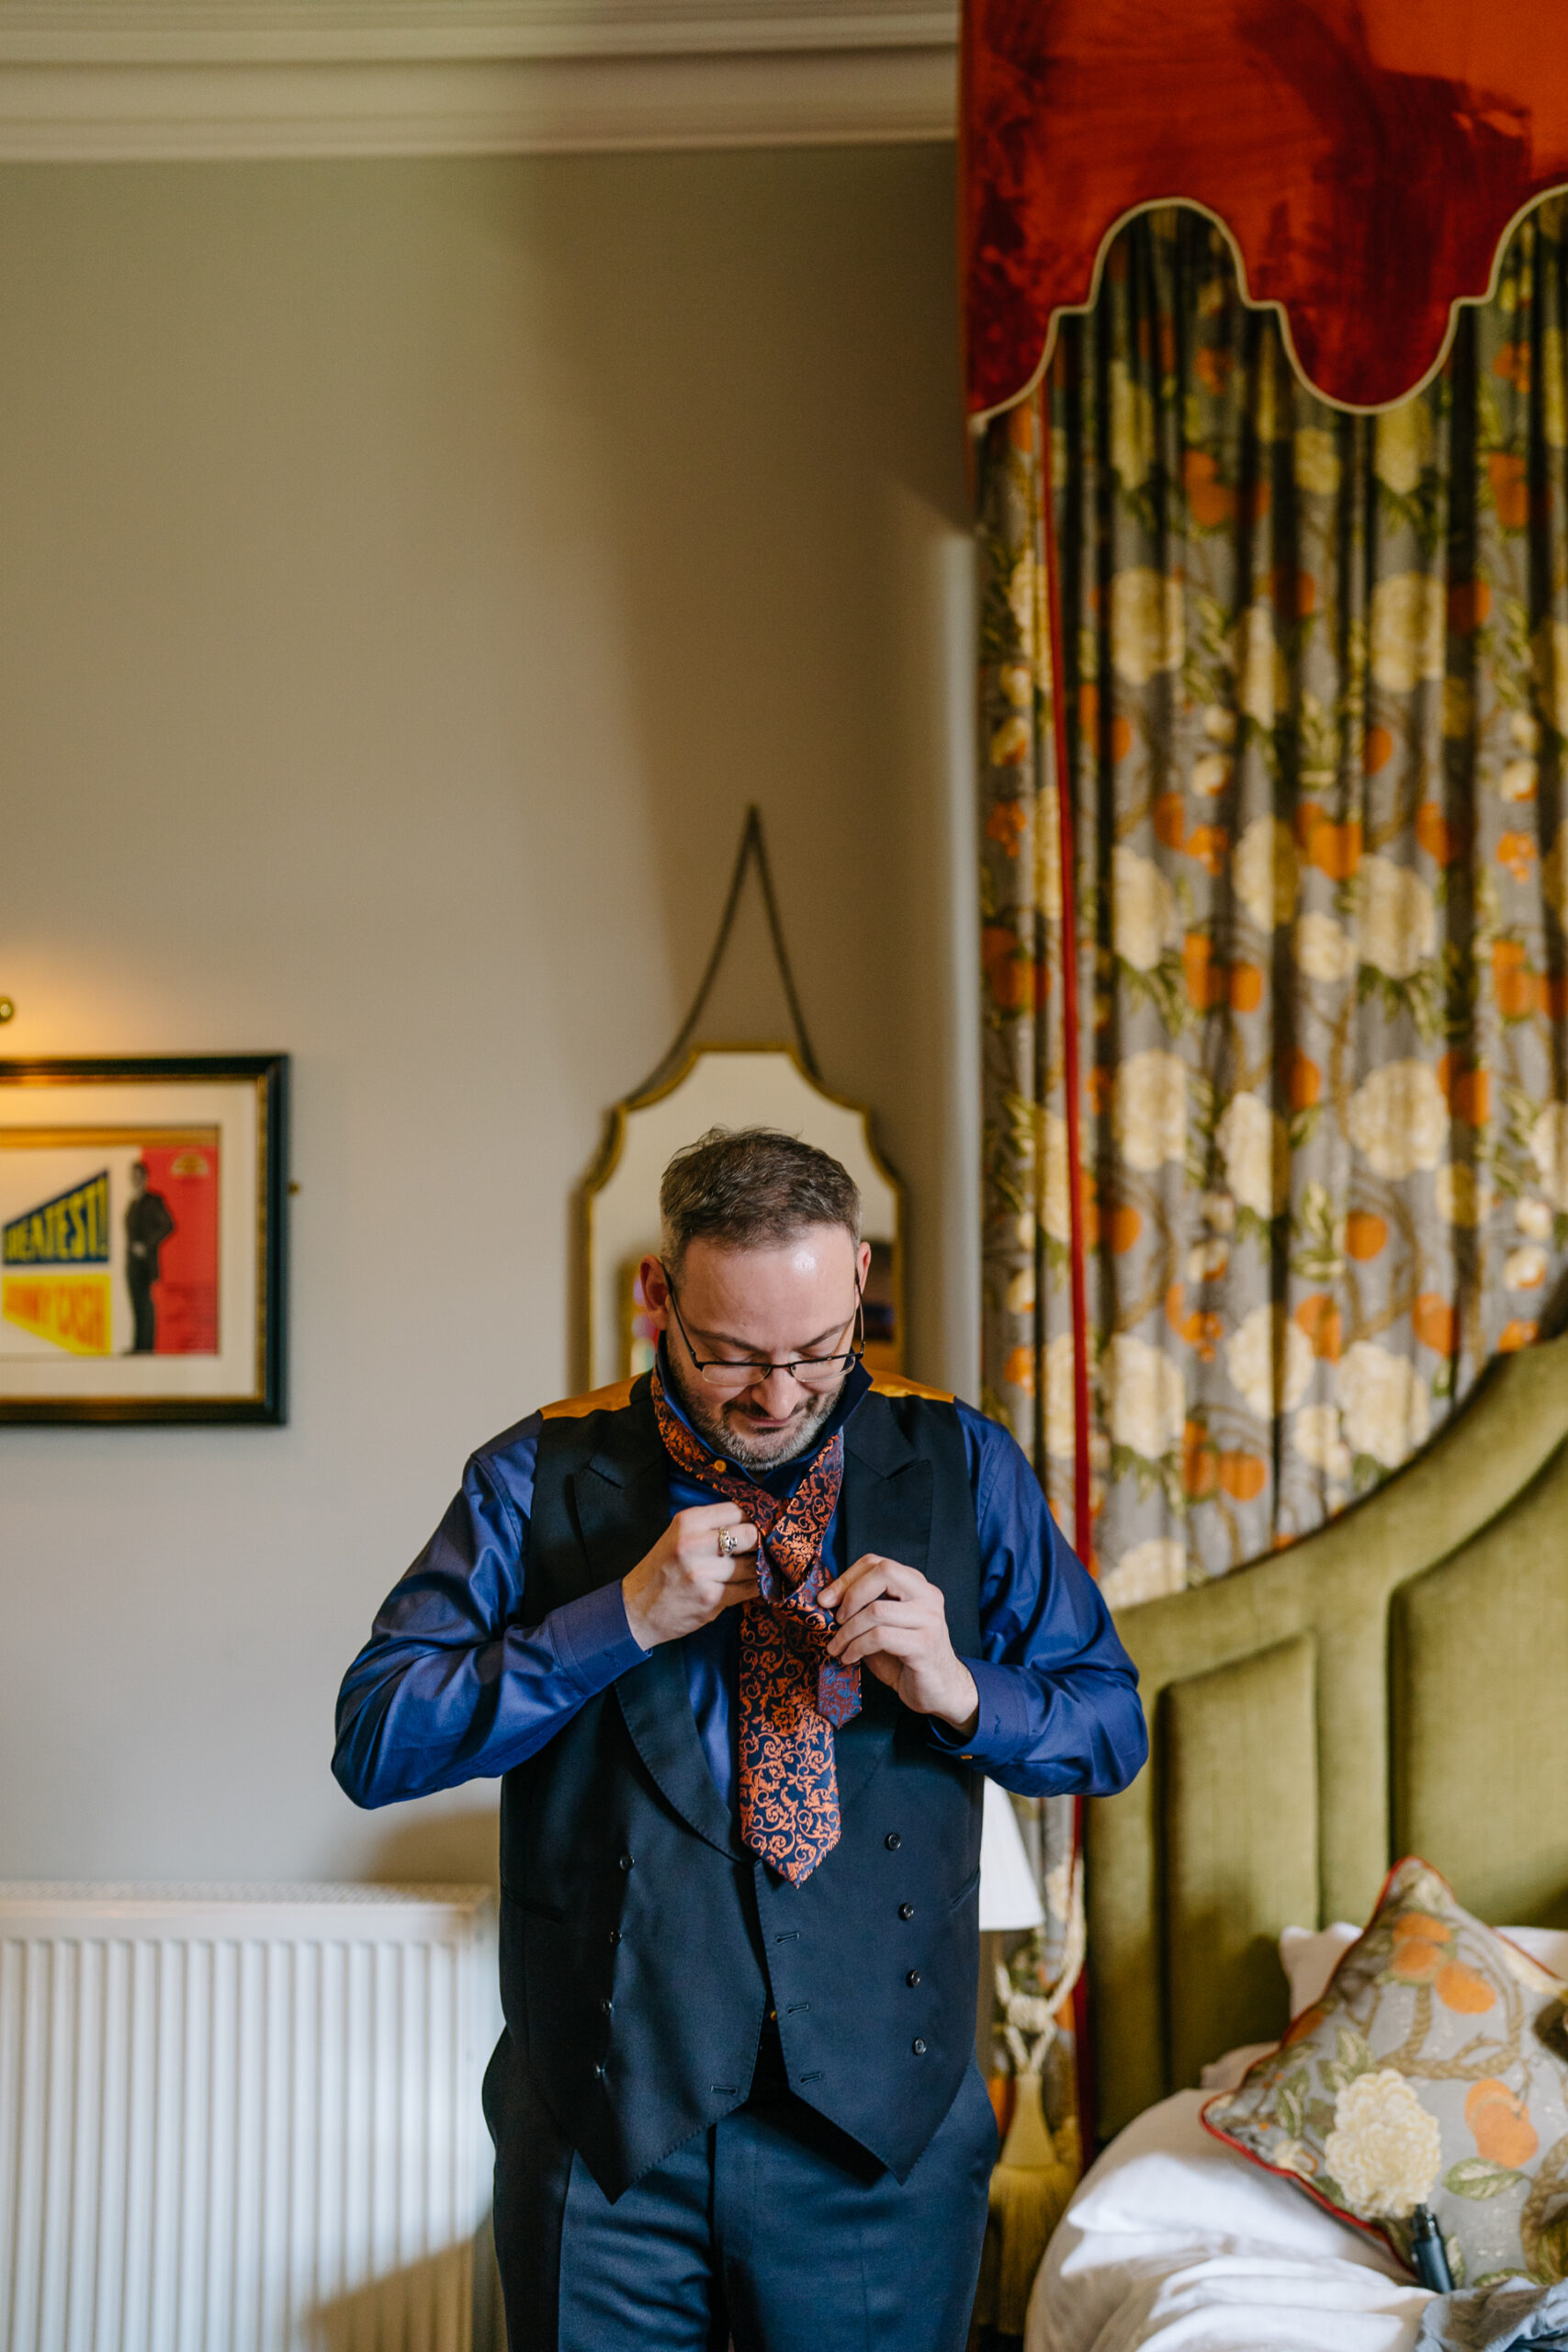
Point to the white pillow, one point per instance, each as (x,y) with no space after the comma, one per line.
(1547,1947)
(1309,1959)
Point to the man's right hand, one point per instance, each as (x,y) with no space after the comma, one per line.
(686,1581)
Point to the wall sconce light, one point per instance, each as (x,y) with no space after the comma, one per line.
(6,1009)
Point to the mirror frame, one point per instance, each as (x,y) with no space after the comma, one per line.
(591,1275)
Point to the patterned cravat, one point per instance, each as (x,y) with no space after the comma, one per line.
(792,1693)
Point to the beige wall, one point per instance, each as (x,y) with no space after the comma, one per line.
(408,571)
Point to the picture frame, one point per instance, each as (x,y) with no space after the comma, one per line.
(144,1206)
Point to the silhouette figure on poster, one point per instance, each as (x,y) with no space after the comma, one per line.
(148,1225)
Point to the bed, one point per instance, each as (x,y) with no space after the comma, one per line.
(1396,1683)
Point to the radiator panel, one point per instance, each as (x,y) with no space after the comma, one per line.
(242,2119)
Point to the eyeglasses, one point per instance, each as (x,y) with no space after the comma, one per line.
(810,1371)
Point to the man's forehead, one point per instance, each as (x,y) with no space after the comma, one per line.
(817,1249)
(805,1274)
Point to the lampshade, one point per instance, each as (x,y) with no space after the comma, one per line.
(1010,1896)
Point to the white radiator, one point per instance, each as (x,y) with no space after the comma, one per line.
(245,2119)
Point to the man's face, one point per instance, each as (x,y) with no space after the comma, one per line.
(138,1177)
(764,1305)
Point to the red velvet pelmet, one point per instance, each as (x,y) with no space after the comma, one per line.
(1367,157)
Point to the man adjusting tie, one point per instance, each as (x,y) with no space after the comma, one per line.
(743,1635)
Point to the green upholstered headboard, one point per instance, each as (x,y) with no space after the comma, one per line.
(1396,1683)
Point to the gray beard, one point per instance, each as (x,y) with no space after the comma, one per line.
(731,1441)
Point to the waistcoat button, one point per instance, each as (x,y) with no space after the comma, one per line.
(614,1935)
(608,2007)
(906,1910)
(893,1841)
(918,2046)
(912,1978)
(600,2070)
(628,1861)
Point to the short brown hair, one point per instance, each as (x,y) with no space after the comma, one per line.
(751,1188)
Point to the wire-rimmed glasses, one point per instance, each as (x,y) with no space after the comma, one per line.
(816,1372)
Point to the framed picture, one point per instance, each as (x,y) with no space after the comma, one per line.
(142,1238)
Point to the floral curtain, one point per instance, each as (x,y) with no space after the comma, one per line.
(1314,718)
(1026,1158)
(1316,704)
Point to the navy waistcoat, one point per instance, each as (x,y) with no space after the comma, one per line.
(642,1947)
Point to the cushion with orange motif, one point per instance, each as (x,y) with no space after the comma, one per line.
(1432,2071)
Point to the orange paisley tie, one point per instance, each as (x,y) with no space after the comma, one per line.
(792,1693)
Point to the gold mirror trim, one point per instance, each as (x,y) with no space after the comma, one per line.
(613,1148)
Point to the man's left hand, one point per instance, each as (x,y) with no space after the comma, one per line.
(893,1620)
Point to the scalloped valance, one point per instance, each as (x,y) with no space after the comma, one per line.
(1366,158)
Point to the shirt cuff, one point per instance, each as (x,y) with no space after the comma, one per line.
(592,1639)
(1003,1728)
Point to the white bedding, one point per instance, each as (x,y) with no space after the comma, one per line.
(1173,2241)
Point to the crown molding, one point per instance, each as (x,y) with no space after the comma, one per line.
(290,32)
(105,80)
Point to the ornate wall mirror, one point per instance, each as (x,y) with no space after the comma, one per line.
(725,1086)
(697,1087)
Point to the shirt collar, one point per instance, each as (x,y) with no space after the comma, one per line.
(783,1480)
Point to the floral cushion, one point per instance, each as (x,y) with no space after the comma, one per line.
(1433,2070)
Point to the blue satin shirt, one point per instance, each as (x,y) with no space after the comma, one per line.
(454,1685)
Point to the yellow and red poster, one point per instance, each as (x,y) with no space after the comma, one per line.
(109,1241)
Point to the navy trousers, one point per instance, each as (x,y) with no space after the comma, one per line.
(773,2230)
